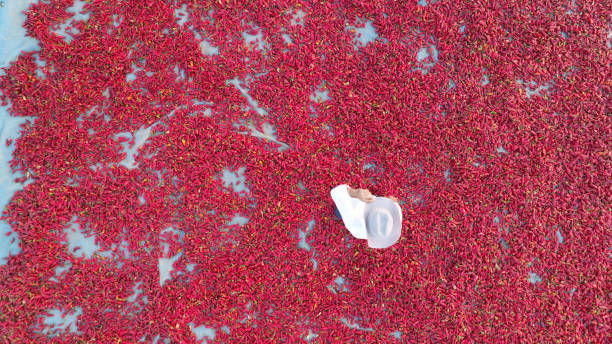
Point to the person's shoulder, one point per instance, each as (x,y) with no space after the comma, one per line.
(339,192)
(342,187)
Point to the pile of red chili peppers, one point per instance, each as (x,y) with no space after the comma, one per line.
(488,119)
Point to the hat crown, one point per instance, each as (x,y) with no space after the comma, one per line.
(380,222)
(383,222)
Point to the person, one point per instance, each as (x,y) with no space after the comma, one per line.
(376,219)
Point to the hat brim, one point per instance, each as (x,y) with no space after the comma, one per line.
(396,215)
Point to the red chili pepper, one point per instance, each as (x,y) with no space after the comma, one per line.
(378,95)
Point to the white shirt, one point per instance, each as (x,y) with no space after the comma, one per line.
(352,211)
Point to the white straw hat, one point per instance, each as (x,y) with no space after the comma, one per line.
(383,219)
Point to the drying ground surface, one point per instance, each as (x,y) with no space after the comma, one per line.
(176,158)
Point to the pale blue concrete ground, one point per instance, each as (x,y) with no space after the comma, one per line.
(13,40)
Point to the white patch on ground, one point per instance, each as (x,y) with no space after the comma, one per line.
(132,75)
(245,93)
(13,40)
(207,49)
(302,234)
(202,331)
(424,2)
(180,73)
(205,46)
(310,336)
(534,278)
(165,266)
(297,17)
(80,119)
(426,59)
(315,264)
(80,245)
(531,89)
(117,20)
(137,291)
(560,237)
(140,137)
(136,301)
(363,35)
(181,15)
(422,54)
(121,250)
(571,8)
(56,321)
(254,39)
(9,242)
(77,15)
(268,133)
(83,245)
(39,66)
(485,80)
(249,315)
(59,271)
(190,267)
(168,235)
(235,180)
(369,166)
(238,220)
(355,325)
(156,340)
(287,38)
(339,285)
(320,94)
